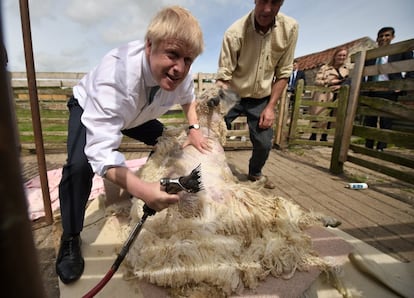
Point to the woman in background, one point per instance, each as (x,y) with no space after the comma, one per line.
(332,75)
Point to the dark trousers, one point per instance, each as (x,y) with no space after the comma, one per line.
(76,183)
(384,123)
(260,138)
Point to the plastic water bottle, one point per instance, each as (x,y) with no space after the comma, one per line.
(357,185)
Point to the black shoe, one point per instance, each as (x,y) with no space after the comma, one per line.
(312,137)
(69,263)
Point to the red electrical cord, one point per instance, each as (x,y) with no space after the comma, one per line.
(147,212)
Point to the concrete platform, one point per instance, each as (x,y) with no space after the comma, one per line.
(103,238)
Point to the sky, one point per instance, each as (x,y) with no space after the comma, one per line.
(73,35)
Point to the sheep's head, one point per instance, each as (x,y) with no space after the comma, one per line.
(212,105)
(217,101)
(225,98)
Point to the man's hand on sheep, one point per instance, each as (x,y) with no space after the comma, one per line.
(197,139)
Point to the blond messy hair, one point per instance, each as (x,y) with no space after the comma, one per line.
(176,22)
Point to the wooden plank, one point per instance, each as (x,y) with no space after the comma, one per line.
(307,142)
(48,90)
(400,175)
(45,121)
(398,138)
(352,105)
(393,67)
(45,133)
(405,84)
(384,156)
(367,111)
(396,48)
(391,107)
(326,104)
(49,75)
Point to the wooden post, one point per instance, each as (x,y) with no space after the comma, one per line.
(336,166)
(296,109)
(352,105)
(279,139)
(34,105)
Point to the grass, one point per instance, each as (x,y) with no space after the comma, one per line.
(55,121)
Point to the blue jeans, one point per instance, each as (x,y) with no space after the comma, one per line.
(76,183)
(260,138)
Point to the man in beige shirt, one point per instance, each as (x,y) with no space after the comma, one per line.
(256,61)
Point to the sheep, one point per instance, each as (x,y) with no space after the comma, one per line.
(225,238)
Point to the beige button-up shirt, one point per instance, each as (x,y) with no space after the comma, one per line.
(251,60)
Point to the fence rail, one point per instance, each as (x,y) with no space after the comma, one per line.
(54,89)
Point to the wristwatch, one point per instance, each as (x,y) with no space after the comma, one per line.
(195,126)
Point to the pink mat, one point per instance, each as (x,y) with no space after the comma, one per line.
(34,191)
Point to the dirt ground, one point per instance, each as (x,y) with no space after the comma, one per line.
(46,240)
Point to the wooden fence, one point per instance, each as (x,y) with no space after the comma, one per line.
(398,159)
(54,89)
(348,136)
(297,124)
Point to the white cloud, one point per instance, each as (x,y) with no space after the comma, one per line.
(73,35)
(91,11)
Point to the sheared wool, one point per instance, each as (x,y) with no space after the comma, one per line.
(227,237)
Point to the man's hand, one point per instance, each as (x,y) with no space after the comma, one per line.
(267,118)
(150,192)
(223,84)
(196,138)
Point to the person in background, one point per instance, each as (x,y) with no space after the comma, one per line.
(123,95)
(332,75)
(384,38)
(296,75)
(256,61)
